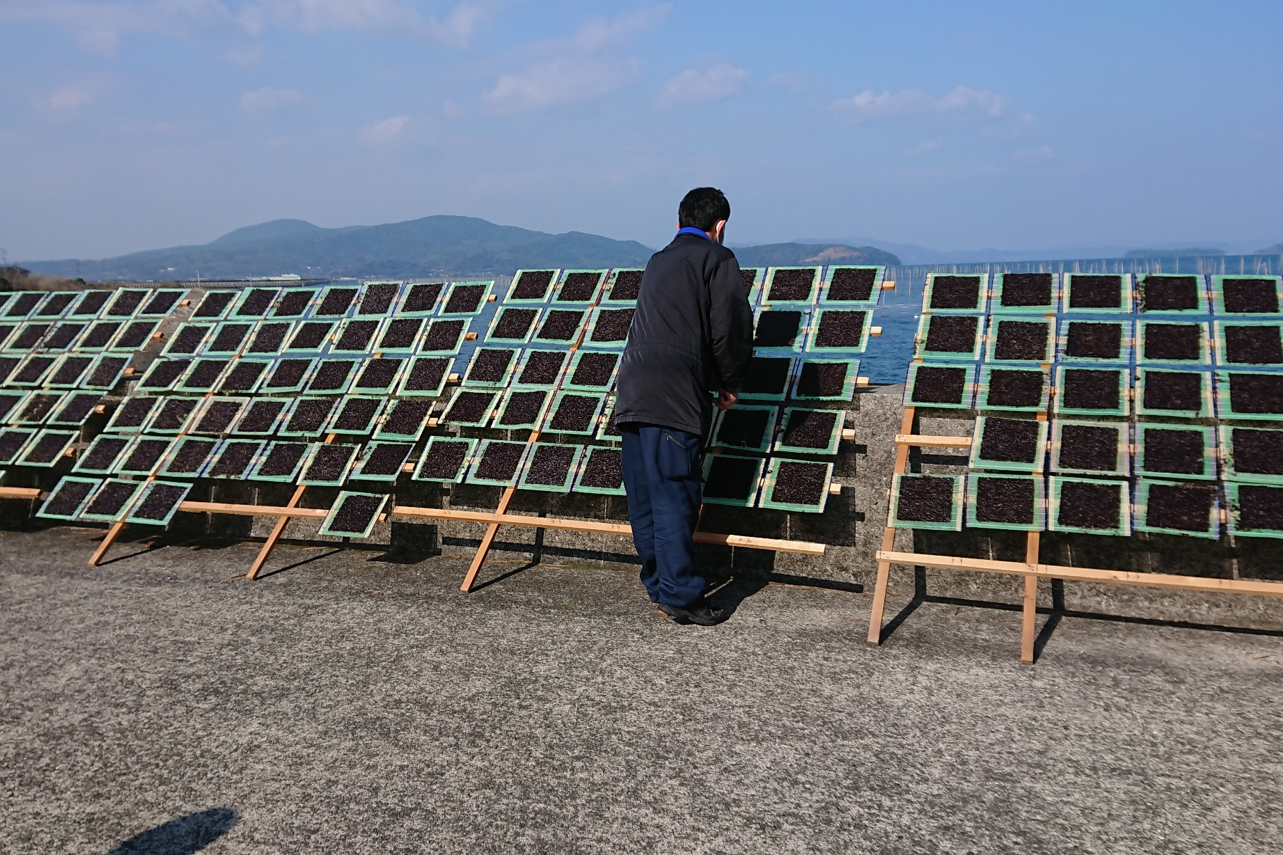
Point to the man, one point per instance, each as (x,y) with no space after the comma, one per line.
(691,338)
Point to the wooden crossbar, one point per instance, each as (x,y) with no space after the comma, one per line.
(252,510)
(1086,574)
(920,441)
(595,527)
(20,493)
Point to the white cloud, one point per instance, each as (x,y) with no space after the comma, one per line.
(706,84)
(1039,154)
(582,69)
(386,131)
(100,24)
(269,100)
(963,101)
(561,81)
(924,147)
(67,99)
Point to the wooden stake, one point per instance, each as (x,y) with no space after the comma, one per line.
(1029,610)
(491,530)
(888,538)
(277,531)
(112,534)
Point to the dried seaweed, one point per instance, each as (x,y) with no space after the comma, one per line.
(1250,296)
(742,428)
(190,456)
(1005,500)
(604,469)
(331,375)
(1023,340)
(204,374)
(243,376)
(464,299)
(1089,447)
(574,414)
(293,302)
(309,415)
(523,408)
(76,409)
(218,417)
(385,458)
(164,373)
(840,329)
(1094,340)
(514,324)
(822,379)
(543,367)
(282,459)
(1184,507)
(422,297)
(444,459)
(110,501)
(70,370)
(1011,440)
(777,329)
(378,298)
(1174,341)
(809,428)
(1256,393)
(289,373)
(1260,507)
(490,365)
(499,461)
(356,415)
(731,478)
(310,335)
(269,338)
(214,304)
(1255,451)
(378,374)
(443,335)
(100,334)
(407,417)
(173,414)
(256,303)
(426,373)
(852,283)
(64,335)
(627,285)
(188,339)
(1087,505)
(938,385)
(612,325)
(1091,388)
(1014,387)
(67,497)
(550,464)
(1253,345)
(594,369)
(952,333)
(336,302)
(1174,390)
(1173,450)
(401,333)
(145,455)
(159,501)
(330,463)
(357,335)
(229,338)
(469,407)
(791,286)
(560,325)
(261,415)
(532,285)
(766,375)
(1095,292)
(356,513)
(579,287)
(1026,289)
(798,483)
(1168,293)
(955,292)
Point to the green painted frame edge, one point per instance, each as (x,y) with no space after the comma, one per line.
(955,510)
(1040,502)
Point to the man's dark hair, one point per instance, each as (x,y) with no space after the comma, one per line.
(702,208)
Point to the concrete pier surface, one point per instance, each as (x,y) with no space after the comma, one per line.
(354,701)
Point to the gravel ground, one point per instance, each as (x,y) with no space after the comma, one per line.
(350,703)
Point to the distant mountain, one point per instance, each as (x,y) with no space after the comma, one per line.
(1271,250)
(432,246)
(1187,252)
(784,254)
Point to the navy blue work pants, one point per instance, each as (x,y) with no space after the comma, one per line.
(662,471)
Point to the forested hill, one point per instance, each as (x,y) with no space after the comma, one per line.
(432,246)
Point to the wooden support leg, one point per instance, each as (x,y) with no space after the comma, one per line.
(486,540)
(888,540)
(101,551)
(277,531)
(1029,611)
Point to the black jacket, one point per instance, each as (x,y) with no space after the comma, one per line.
(692,334)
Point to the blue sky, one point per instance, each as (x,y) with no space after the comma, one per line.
(135,124)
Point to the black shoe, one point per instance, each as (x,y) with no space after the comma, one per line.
(697,613)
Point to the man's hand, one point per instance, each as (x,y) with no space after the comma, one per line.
(726,400)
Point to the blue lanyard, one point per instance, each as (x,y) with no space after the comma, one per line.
(691,230)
